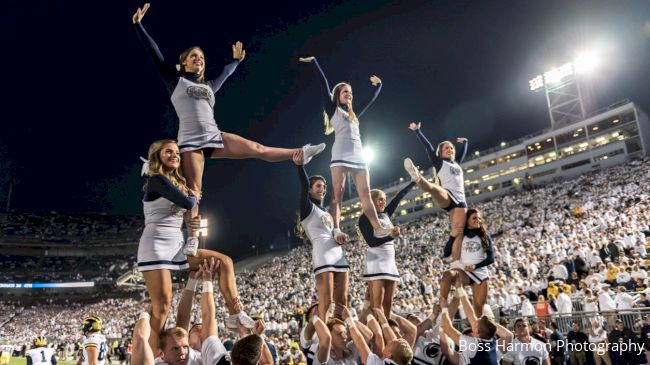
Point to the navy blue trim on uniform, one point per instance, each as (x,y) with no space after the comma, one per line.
(333,266)
(475,278)
(361,165)
(162,262)
(381,274)
(217,141)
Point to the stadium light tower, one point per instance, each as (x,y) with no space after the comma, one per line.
(562,88)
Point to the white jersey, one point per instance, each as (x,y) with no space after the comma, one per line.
(318,225)
(451,178)
(526,353)
(310,349)
(427,349)
(98,342)
(193,358)
(40,355)
(6,350)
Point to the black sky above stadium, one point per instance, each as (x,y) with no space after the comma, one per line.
(81,99)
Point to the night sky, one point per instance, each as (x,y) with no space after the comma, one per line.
(82,100)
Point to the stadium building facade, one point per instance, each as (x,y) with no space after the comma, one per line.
(610,137)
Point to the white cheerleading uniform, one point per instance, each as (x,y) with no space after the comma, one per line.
(326,254)
(451,179)
(347,149)
(161,244)
(40,355)
(472,253)
(526,353)
(194,103)
(380,257)
(192,99)
(380,260)
(98,341)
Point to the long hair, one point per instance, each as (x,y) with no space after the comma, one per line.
(336,96)
(483,233)
(156,167)
(441,144)
(184,55)
(299,230)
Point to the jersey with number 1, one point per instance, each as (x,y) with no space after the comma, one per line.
(41,356)
(98,341)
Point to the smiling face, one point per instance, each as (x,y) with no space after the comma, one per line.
(343,94)
(474,220)
(446,150)
(379,199)
(170,156)
(318,188)
(193,60)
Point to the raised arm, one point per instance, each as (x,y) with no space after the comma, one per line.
(158,184)
(390,208)
(357,337)
(375,81)
(167,72)
(316,325)
(267,357)
(377,337)
(463,141)
(448,327)
(467,306)
(306,205)
(431,151)
(329,106)
(238,54)
(208,311)
(184,312)
(367,232)
(386,330)
(409,330)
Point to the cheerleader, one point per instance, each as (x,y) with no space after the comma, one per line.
(316,224)
(381,271)
(450,194)
(347,151)
(476,254)
(166,198)
(198,135)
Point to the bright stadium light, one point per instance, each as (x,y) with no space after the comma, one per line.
(368,154)
(203,228)
(586,62)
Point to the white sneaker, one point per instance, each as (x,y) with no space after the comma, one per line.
(191,246)
(234,320)
(412,170)
(309,151)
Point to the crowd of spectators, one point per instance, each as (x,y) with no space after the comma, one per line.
(557,247)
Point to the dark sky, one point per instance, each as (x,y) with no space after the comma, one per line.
(81,99)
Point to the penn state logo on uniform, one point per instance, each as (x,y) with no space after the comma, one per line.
(532,360)
(431,350)
(472,246)
(455,169)
(177,211)
(200,92)
(328,221)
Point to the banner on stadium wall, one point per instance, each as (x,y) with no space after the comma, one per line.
(81,284)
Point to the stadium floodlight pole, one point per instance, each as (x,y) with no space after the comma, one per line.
(563,90)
